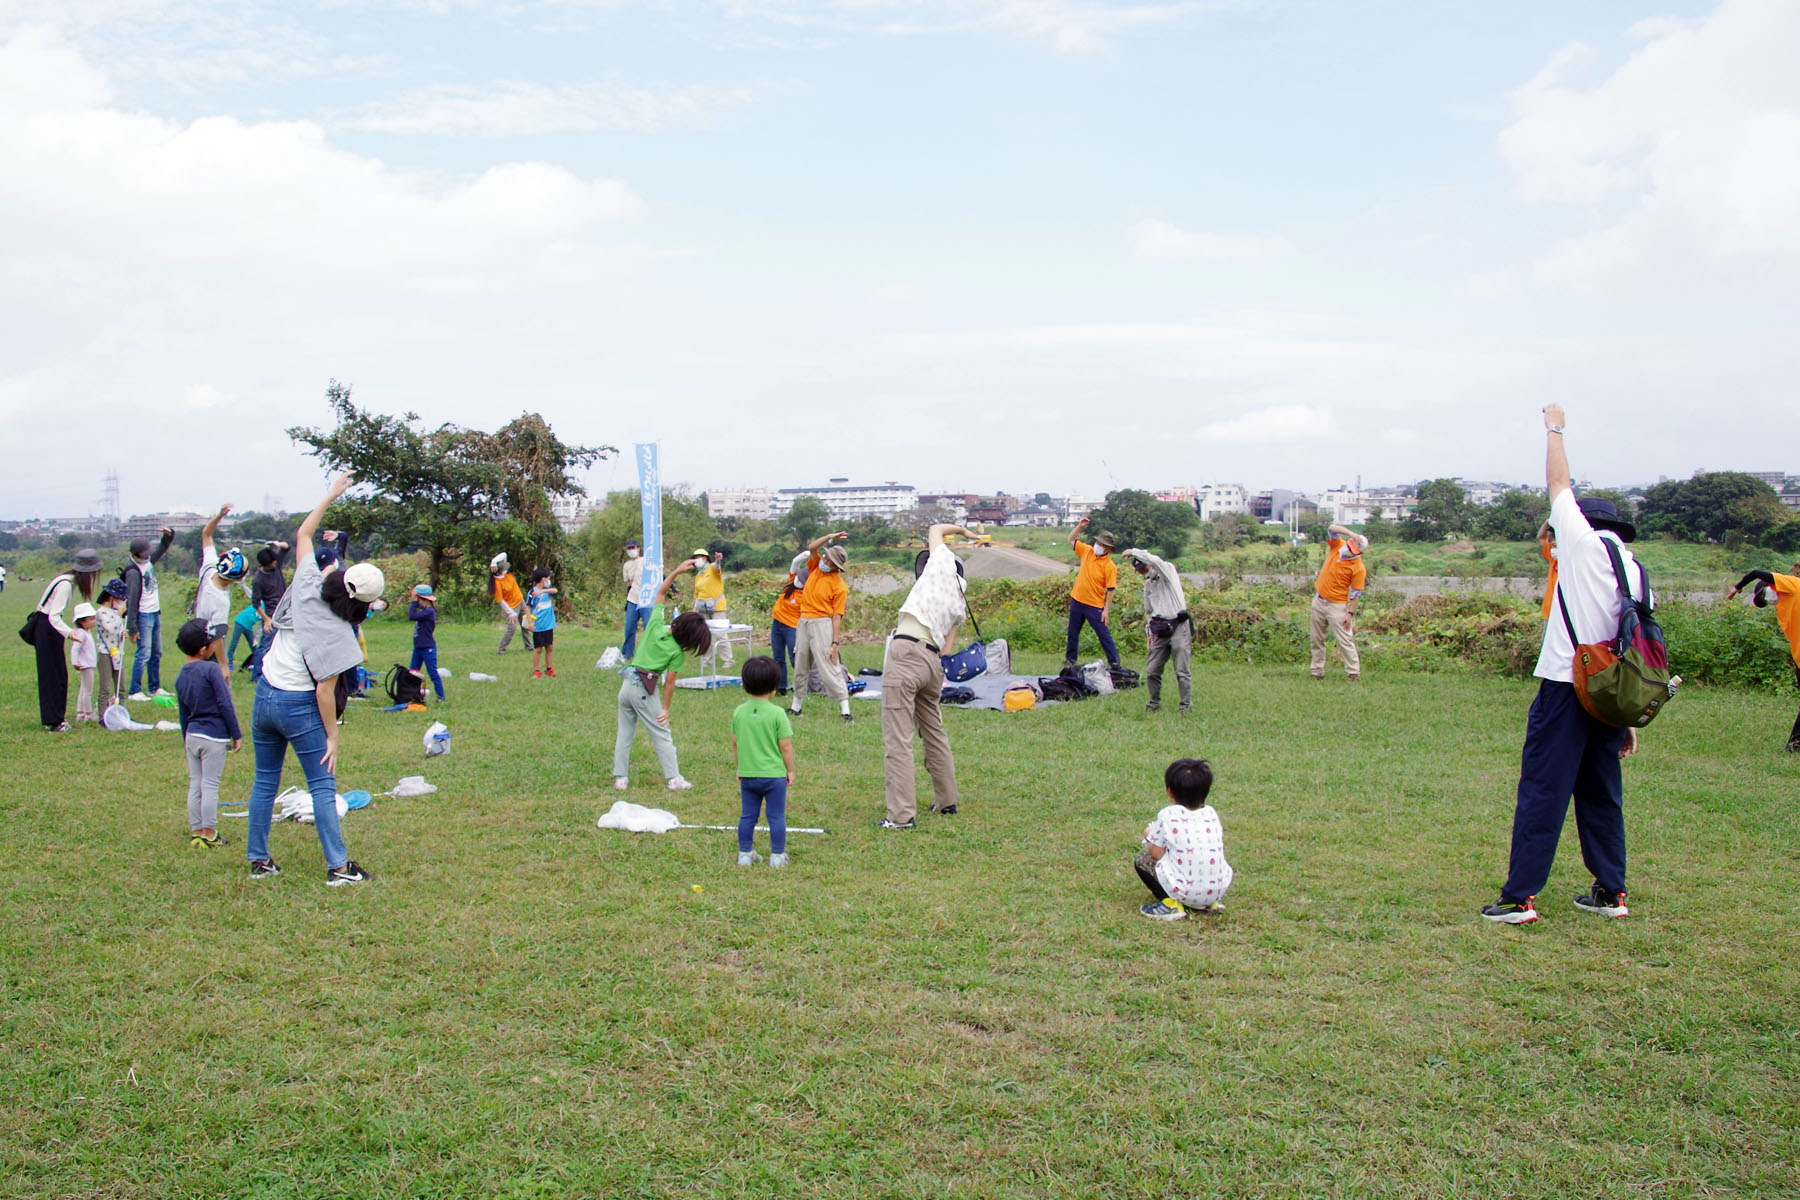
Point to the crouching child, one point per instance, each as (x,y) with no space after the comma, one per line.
(1183,858)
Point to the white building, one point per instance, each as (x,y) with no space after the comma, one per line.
(1354,506)
(571,511)
(1215,499)
(754,504)
(845,499)
(1076,507)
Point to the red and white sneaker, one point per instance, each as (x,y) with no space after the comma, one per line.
(550,671)
(537,674)
(1512,912)
(1602,903)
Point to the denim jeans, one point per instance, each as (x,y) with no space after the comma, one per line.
(783,639)
(753,795)
(426,656)
(636,617)
(278,720)
(238,631)
(1086,614)
(149,650)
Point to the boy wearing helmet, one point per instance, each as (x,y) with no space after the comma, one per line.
(212,602)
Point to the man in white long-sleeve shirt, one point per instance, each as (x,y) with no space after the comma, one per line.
(1168,630)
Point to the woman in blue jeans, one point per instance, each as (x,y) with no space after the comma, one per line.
(314,642)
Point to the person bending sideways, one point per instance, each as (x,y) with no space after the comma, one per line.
(659,659)
(1783,591)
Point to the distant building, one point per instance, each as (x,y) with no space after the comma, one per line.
(752,504)
(957,504)
(845,499)
(1354,506)
(572,511)
(1076,507)
(148,525)
(1217,499)
(1775,479)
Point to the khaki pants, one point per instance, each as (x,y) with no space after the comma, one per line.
(1335,619)
(1180,646)
(912,685)
(813,649)
(515,623)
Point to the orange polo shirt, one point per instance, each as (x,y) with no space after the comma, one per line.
(1098,575)
(787,608)
(1340,576)
(506,590)
(825,593)
(1787,611)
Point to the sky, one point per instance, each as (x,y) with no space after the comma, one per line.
(1033,245)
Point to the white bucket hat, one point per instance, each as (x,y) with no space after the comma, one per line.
(365,582)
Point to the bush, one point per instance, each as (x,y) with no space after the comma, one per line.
(1726,643)
(1476,628)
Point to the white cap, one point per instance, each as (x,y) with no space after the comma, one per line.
(84,609)
(364,582)
(498,562)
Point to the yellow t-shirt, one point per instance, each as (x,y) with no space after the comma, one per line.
(1787,611)
(506,590)
(1098,575)
(709,584)
(1340,576)
(825,593)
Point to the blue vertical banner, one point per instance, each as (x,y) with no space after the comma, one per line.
(650,501)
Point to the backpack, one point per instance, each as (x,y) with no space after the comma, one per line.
(968,662)
(1623,682)
(1065,687)
(404,685)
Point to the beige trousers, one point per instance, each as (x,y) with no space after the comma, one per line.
(1335,619)
(912,685)
(812,647)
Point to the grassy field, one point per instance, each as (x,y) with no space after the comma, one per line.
(521,1005)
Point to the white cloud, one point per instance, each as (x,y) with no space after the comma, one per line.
(519,109)
(1281,424)
(204,395)
(1688,153)
(1158,241)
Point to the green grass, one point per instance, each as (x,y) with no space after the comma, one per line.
(522,1005)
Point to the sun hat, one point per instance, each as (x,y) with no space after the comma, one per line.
(702,553)
(1603,514)
(115,587)
(84,609)
(364,582)
(88,560)
(424,592)
(836,556)
(1105,538)
(498,563)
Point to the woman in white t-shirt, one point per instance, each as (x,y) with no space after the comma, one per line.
(50,632)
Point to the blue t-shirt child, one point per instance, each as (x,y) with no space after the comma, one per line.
(543,609)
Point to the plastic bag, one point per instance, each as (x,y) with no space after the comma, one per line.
(612,658)
(437,739)
(1098,676)
(635,818)
(413,785)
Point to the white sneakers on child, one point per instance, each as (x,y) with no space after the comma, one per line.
(621,783)
(748,858)
(678,784)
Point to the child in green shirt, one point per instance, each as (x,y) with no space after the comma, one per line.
(762,745)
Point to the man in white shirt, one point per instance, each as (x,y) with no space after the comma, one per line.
(1168,630)
(912,684)
(1567,752)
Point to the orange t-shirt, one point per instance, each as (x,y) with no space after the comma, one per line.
(1550,580)
(825,593)
(1098,575)
(1787,611)
(506,590)
(787,608)
(1340,576)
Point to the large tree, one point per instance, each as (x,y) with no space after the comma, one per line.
(1715,507)
(458,494)
(1444,508)
(1515,517)
(1140,519)
(805,521)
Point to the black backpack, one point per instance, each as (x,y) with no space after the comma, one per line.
(405,685)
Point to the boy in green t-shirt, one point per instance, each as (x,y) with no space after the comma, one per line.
(762,745)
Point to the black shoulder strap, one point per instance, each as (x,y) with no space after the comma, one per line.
(1618,566)
(1574,639)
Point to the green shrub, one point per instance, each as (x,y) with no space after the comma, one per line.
(1725,643)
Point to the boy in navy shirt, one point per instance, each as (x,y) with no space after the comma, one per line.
(209,728)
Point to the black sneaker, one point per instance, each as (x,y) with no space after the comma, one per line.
(348,873)
(783,691)
(949,810)
(887,823)
(1602,903)
(848,719)
(1153,706)
(262,868)
(1512,912)
(1164,910)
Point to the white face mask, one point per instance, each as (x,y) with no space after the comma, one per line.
(631,552)
(1099,551)
(825,566)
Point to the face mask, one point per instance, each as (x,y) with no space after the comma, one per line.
(631,552)
(825,566)
(1099,551)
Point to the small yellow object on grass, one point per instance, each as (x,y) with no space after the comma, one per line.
(697,888)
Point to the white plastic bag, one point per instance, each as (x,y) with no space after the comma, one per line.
(483,677)
(168,726)
(635,818)
(296,804)
(437,739)
(612,658)
(1098,676)
(413,785)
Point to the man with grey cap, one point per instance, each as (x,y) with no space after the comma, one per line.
(912,683)
(1168,630)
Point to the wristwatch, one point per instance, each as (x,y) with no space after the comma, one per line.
(1553,429)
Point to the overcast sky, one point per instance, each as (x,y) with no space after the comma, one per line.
(964,244)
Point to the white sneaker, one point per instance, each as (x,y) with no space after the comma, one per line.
(778,860)
(140,697)
(162,692)
(621,783)
(678,784)
(748,858)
